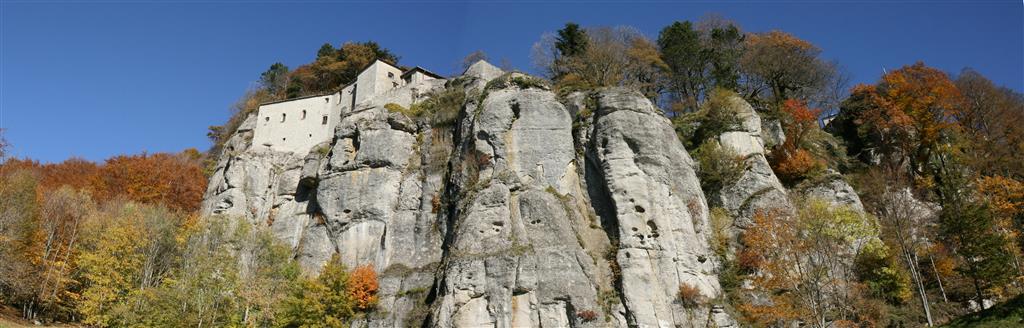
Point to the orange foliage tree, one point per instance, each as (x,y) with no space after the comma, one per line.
(1006,195)
(903,117)
(362,287)
(791,162)
(175,180)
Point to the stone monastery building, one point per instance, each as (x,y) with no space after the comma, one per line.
(296,125)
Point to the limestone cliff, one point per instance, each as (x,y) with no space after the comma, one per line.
(521,210)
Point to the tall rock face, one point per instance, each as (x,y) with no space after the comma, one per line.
(758,188)
(524,211)
(651,204)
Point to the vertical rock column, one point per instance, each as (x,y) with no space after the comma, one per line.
(514,258)
(659,208)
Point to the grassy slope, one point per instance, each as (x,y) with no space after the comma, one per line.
(1006,314)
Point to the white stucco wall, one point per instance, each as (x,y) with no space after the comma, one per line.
(346,98)
(407,94)
(418,76)
(282,127)
(374,80)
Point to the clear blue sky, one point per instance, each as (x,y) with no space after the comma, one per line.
(96,79)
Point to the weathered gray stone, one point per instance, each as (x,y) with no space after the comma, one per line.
(483,70)
(772,133)
(835,190)
(516,216)
(758,188)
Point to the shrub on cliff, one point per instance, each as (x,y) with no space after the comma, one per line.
(716,116)
(718,166)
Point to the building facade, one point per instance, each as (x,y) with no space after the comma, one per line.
(297,125)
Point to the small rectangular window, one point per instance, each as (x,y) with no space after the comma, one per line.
(391,75)
(324,121)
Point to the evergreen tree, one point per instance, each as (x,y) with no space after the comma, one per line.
(326,50)
(724,50)
(681,49)
(571,40)
(968,226)
(274,78)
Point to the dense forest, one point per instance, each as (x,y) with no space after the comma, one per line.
(936,157)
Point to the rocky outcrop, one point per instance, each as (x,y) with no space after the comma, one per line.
(833,189)
(522,212)
(758,188)
(655,211)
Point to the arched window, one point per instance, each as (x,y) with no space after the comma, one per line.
(303,114)
(283,117)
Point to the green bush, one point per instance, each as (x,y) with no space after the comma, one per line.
(442,108)
(877,267)
(716,116)
(719,166)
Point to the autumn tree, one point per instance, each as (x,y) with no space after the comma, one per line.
(175,180)
(128,250)
(1006,196)
(203,288)
(334,69)
(902,120)
(989,118)
(323,301)
(20,238)
(905,223)
(362,287)
(777,66)
(266,273)
(801,263)
(610,56)
(62,214)
(111,264)
(791,161)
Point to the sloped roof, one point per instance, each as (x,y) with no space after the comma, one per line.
(421,70)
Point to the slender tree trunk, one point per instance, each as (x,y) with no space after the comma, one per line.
(938,279)
(916,275)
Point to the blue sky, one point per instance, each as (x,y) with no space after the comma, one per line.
(96,79)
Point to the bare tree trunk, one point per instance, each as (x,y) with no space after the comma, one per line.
(916,275)
(938,279)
